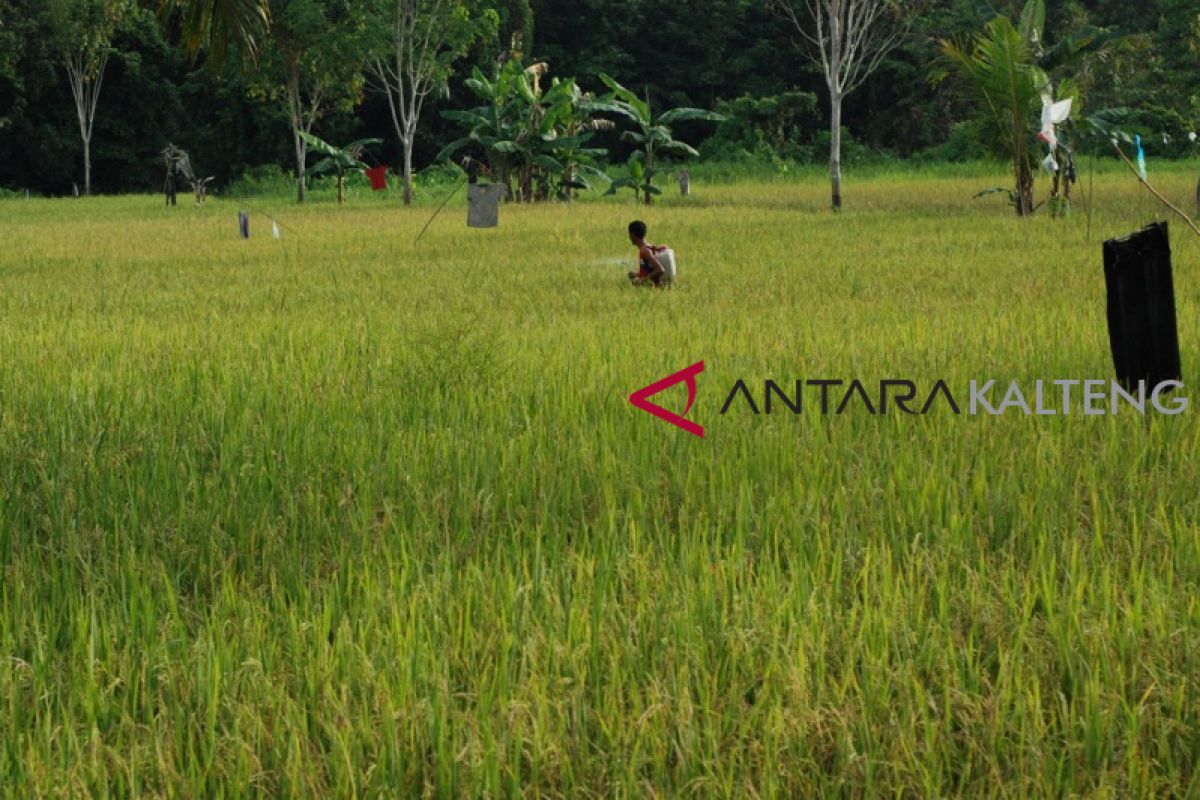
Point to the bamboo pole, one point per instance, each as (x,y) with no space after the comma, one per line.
(1155,192)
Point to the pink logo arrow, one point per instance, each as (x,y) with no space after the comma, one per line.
(640,398)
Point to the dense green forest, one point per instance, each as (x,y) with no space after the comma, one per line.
(739,57)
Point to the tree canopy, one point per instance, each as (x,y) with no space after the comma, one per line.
(709,54)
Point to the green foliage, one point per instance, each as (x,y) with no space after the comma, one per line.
(85,29)
(651,134)
(306,67)
(217,26)
(778,127)
(998,66)
(965,142)
(1012,72)
(537,138)
(854,152)
(338,161)
(263,180)
(11,47)
(308,57)
(637,177)
(336,516)
(691,53)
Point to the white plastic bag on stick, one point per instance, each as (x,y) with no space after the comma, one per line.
(1053,114)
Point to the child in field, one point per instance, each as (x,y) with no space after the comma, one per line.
(650,269)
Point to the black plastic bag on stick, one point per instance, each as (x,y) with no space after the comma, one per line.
(1141,307)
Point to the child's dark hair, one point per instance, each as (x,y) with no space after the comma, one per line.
(637,229)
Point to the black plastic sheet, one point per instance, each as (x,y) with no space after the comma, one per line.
(1141,307)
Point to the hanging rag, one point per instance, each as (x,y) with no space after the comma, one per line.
(1053,114)
(483,205)
(1141,156)
(1141,307)
(378,177)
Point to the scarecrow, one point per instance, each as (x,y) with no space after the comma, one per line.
(178,166)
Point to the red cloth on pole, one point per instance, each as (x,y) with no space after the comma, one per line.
(378,177)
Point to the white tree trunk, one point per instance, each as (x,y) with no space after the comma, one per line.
(301,148)
(405,95)
(851,37)
(405,112)
(301,157)
(87,167)
(409,74)
(407,143)
(303,114)
(85,91)
(835,149)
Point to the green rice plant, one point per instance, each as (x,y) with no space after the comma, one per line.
(343,515)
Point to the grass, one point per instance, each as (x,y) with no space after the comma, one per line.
(341,515)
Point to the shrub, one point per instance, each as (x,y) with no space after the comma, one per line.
(263,179)
(779,127)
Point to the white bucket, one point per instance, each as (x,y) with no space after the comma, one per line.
(667,259)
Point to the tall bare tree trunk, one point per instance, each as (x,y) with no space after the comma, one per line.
(851,38)
(835,149)
(407,168)
(302,118)
(293,97)
(404,98)
(297,142)
(85,90)
(411,72)
(87,167)
(301,157)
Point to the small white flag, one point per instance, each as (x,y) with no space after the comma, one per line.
(275,228)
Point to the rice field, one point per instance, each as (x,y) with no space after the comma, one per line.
(345,515)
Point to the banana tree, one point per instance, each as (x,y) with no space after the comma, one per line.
(338,160)
(539,138)
(652,134)
(493,127)
(560,146)
(636,177)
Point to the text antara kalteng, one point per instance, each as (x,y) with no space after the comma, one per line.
(1041,398)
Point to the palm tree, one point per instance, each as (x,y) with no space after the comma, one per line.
(999,68)
(1009,70)
(219,25)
